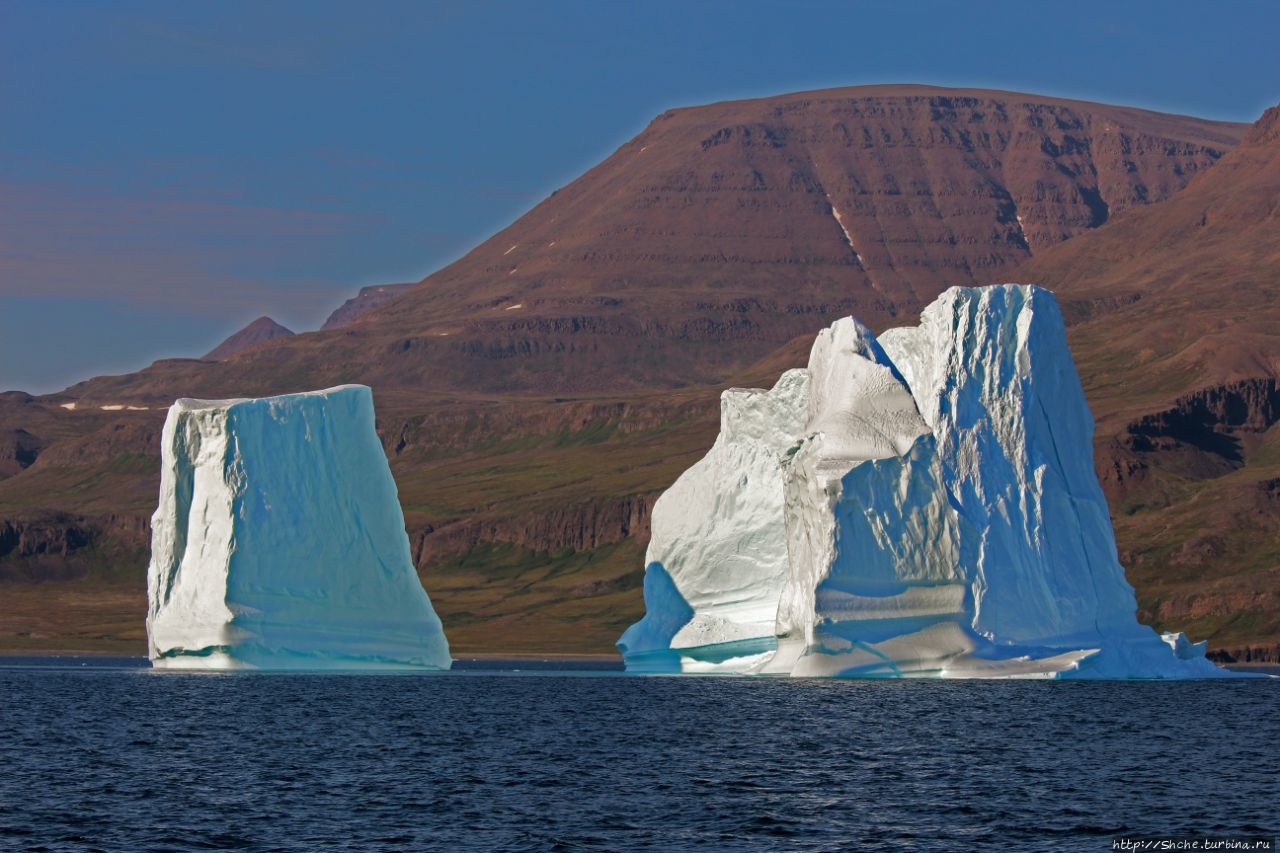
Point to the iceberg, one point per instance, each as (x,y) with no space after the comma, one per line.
(921,504)
(716,571)
(279,542)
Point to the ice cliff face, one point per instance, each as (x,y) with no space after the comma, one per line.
(279,542)
(919,505)
(715,573)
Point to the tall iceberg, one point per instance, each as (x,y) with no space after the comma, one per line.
(279,542)
(922,504)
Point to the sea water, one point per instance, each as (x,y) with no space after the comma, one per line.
(109,755)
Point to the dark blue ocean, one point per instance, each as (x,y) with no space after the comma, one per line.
(106,755)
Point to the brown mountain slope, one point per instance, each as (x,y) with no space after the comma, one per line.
(721,232)
(1177,336)
(256,333)
(525,393)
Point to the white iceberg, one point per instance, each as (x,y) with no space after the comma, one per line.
(279,542)
(723,537)
(923,504)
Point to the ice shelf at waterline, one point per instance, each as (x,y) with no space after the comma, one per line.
(279,542)
(923,504)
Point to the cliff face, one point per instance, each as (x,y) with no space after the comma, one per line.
(56,536)
(56,546)
(1247,654)
(523,517)
(1204,435)
(584,527)
(18,449)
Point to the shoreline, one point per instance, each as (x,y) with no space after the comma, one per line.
(488,660)
(68,653)
(1252,667)
(576,657)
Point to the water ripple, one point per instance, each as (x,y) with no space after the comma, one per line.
(118,759)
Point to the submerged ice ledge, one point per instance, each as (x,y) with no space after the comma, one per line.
(918,505)
(279,541)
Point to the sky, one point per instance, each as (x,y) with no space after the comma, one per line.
(170,171)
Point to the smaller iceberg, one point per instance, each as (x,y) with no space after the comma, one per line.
(918,505)
(279,542)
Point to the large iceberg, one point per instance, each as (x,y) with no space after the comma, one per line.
(919,504)
(279,542)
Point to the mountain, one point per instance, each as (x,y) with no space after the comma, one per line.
(721,232)
(538,394)
(258,332)
(1177,335)
(357,306)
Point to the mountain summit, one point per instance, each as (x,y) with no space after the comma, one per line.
(258,332)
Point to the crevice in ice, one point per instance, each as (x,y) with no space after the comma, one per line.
(1075,510)
(184,489)
(888,661)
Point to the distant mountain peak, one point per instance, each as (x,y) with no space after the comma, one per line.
(1266,130)
(368,298)
(258,332)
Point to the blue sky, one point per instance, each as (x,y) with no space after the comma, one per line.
(169,171)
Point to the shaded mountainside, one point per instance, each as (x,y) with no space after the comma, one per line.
(538,394)
(1176,332)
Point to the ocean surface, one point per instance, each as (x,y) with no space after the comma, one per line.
(108,755)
